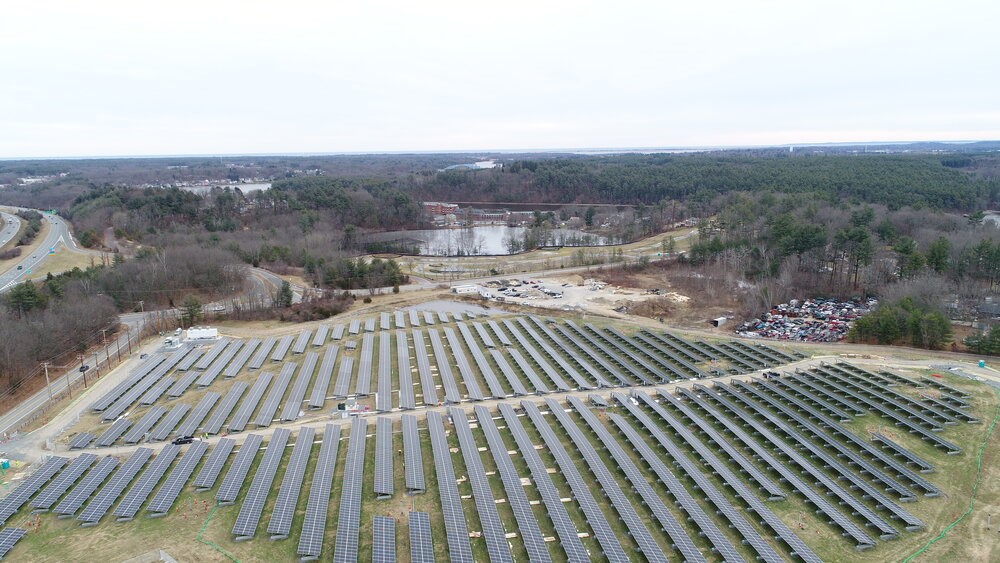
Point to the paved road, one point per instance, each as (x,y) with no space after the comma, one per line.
(10,226)
(59,234)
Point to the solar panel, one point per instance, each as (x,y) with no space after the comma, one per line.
(193,356)
(355,327)
(421,544)
(443,316)
(414,318)
(246,409)
(424,369)
(9,538)
(80,493)
(602,350)
(529,372)
(400,321)
(262,353)
(314,522)
(451,393)
(139,492)
(291,485)
(459,549)
(197,416)
(99,505)
(484,335)
(208,357)
(405,370)
(337,333)
(219,364)
(468,376)
(157,391)
(534,542)
(322,385)
(383,398)
(413,460)
(253,503)
(213,466)
(589,352)
(301,342)
(639,532)
(613,550)
(274,396)
(182,384)
(81,440)
(167,494)
(508,373)
(113,432)
(580,381)
(385,321)
(499,333)
(714,464)
(369,325)
(428,318)
(383,458)
(282,348)
(340,388)
(346,547)
(241,359)
(293,406)
(639,354)
(560,344)
(134,376)
(383,540)
(233,481)
(320,337)
(139,430)
(688,504)
(364,382)
(225,408)
(66,478)
(127,399)
(486,507)
(537,357)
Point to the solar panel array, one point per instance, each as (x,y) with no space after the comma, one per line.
(182,384)
(363,385)
(527,370)
(319,338)
(225,408)
(348,519)
(508,373)
(219,363)
(385,321)
(383,398)
(301,342)
(421,544)
(424,369)
(266,414)
(167,495)
(612,549)
(405,370)
(81,440)
(246,409)
(139,492)
(322,385)
(128,398)
(414,318)
(337,333)
(157,391)
(213,466)
(260,487)
(429,318)
(383,458)
(560,344)
(413,461)
(459,549)
(99,505)
(341,387)
(194,420)
(66,479)
(314,522)
(534,543)
(262,353)
(451,392)
(400,319)
(580,381)
(484,335)
(537,357)
(293,406)
(486,507)
(468,376)
(291,485)
(193,356)
(29,486)
(208,357)
(113,432)
(383,540)
(282,348)
(355,327)
(241,359)
(134,376)
(139,430)
(80,493)
(233,481)
(9,538)
(369,325)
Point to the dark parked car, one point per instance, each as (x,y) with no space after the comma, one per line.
(183,440)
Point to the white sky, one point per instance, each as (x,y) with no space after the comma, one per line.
(208,76)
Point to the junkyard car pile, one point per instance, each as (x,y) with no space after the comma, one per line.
(812,320)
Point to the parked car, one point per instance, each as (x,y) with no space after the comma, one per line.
(180,441)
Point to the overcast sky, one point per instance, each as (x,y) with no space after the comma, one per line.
(212,77)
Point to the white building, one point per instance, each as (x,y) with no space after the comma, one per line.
(202,333)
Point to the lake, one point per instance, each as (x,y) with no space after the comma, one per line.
(485,240)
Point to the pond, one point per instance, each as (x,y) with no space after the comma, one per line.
(485,240)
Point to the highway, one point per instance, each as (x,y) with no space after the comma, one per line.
(59,234)
(10,226)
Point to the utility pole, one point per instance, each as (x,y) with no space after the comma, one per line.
(47,383)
